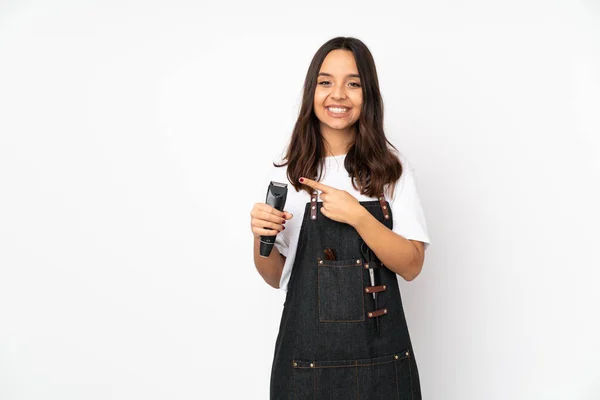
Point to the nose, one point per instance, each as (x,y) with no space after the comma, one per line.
(339,92)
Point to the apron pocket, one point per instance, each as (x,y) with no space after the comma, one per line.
(340,290)
(386,377)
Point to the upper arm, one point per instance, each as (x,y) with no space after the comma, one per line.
(420,249)
(408,216)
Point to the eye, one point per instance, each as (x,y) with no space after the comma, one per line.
(357,85)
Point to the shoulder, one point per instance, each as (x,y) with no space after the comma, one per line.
(406,176)
(404,160)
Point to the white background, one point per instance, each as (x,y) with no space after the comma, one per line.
(133,137)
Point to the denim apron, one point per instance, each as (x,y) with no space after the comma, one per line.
(335,340)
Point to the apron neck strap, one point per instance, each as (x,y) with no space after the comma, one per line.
(314,197)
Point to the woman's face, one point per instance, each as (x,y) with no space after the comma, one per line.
(338,85)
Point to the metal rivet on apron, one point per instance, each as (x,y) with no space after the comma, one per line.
(296,364)
(395,356)
(387,216)
(370,314)
(313,207)
(320,261)
(358,261)
(385,286)
(314,217)
(407,353)
(311,365)
(381,198)
(385,310)
(384,207)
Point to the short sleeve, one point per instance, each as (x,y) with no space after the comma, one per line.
(280,240)
(407,212)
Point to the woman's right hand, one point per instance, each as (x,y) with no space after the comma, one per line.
(266,220)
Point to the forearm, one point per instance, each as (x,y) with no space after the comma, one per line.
(394,251)
(269,268)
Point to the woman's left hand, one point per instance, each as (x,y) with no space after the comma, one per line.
(338,205)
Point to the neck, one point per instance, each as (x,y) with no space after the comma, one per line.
(337,141)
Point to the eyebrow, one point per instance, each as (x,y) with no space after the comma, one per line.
(349,75)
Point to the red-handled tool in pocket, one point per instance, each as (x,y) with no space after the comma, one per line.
(329,254)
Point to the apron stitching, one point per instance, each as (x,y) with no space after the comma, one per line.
(318,292)
(357,388)
(294,381)
(362,290)
(345,320)
(412,392)
(397,389)
(315,382)
(316,364)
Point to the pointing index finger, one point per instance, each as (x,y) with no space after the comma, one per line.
(316,185)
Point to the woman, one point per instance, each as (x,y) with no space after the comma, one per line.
(343,332)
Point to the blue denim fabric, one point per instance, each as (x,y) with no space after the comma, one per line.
(327,346)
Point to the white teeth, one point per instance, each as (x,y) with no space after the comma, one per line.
(337,110)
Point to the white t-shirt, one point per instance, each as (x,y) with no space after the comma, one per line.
(408,218)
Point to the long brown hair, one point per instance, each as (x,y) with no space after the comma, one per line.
(368,160)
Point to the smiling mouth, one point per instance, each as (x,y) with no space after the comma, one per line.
(338,110)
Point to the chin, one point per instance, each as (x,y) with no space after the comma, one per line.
(340,126)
